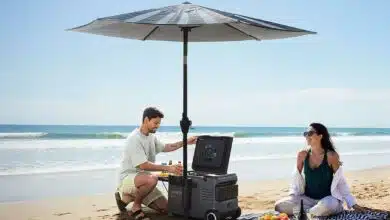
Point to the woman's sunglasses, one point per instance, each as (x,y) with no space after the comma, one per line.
(308,133)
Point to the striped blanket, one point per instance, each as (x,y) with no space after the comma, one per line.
(369,215)
(346,215)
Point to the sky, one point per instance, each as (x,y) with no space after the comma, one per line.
(339,77)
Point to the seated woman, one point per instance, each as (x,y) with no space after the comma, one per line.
(322,186)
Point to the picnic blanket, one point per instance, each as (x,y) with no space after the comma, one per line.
(346,215)
(357,215)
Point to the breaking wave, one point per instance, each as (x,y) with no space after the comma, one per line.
(122,135)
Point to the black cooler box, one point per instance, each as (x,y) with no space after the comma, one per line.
(212,193)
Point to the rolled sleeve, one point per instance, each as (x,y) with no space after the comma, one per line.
(297,185)
(159,145)
(346,193)
(341,190)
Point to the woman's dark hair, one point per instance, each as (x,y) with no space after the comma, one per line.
(326,142)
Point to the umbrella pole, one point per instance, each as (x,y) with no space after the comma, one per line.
(185,123)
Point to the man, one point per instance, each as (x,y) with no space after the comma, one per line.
(136,182)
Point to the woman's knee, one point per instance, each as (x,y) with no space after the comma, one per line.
(327,206)
(285,205)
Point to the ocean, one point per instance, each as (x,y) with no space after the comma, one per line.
(41,161)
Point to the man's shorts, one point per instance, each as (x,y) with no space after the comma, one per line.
(127,186)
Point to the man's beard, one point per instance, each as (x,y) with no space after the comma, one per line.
(152,130)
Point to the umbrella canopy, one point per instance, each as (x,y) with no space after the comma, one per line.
(209,25)
(188,23)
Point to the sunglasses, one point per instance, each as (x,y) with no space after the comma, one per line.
(308,133)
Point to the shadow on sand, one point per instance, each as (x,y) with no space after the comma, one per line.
(153,215)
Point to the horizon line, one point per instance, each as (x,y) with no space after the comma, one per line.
(194,126)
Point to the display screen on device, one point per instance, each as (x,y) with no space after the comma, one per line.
(212,154)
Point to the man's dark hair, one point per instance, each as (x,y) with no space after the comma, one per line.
(152,112)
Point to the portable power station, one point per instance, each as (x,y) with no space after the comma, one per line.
(212,193)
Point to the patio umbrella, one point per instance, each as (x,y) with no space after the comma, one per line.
(188,22)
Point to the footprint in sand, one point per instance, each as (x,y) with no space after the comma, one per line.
(61,214)
(105,217)
(102,210)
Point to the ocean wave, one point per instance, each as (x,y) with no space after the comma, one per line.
(49,170)
(22,135)
(69,168)
(103,144)
(100,135)
(43,135)
(39,144)
(178,135)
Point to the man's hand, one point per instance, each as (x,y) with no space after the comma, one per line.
(176,169)
(300,159)
(192,140)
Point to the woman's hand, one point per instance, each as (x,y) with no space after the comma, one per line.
(300,159)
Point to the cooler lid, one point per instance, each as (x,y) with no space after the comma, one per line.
(212,154)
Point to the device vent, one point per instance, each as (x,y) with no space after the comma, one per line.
(206,194)
(223,193)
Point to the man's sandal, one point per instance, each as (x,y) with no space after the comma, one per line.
(139,215)
(121,205)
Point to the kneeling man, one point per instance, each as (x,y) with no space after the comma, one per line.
(136,182)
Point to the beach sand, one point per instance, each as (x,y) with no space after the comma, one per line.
(371,188)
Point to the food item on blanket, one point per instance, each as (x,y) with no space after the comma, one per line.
(274,216)
(266,217)
(283,215)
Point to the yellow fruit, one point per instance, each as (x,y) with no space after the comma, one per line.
(283,215)
(163,174)
(274,217)
(267,217)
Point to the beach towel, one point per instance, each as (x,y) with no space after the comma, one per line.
(345,215)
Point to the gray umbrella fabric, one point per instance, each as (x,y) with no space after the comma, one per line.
(210,25)
(188,22)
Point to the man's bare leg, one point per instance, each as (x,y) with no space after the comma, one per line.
(144,183)
(127,198)
(160,205)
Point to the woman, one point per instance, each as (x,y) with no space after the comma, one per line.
(322,186)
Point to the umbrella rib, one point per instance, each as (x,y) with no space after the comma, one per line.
(150,33)
(241,31)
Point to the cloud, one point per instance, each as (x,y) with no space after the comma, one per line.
(293,107)
(297,107)
(346,94)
